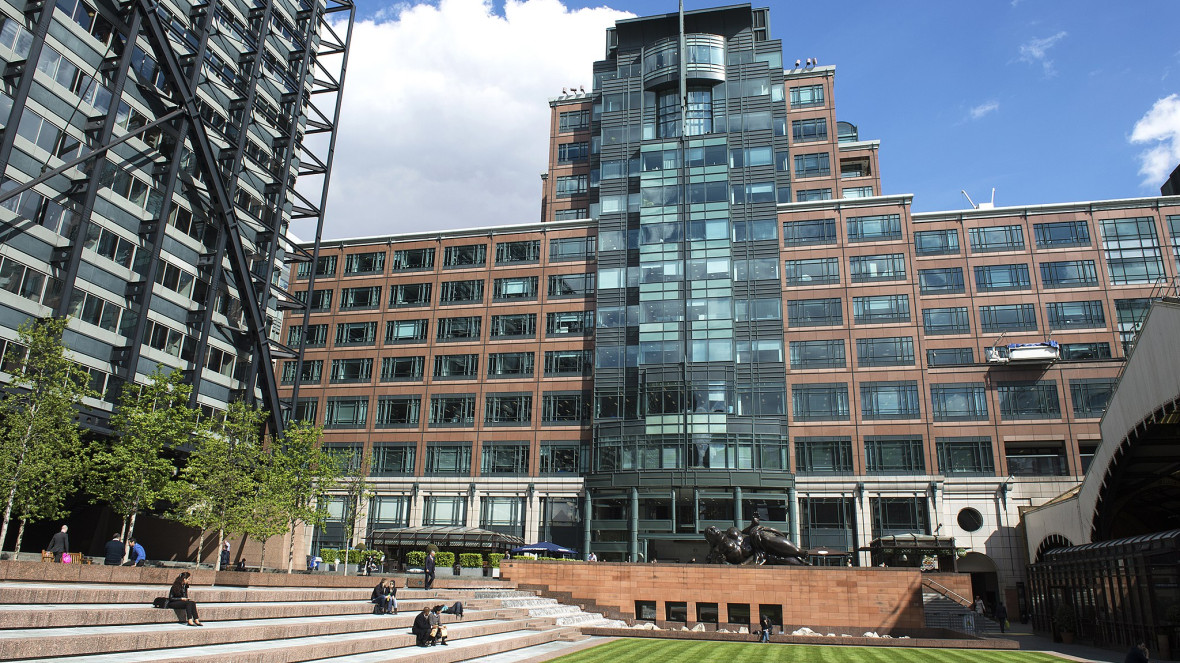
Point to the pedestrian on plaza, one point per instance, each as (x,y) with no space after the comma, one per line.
(1137,654)
(224,558)
(767,628)
(178,599)
(1002,617)
(136,556)
(59,543)
(385,597)
(979,605)
(428,571)
(113,551)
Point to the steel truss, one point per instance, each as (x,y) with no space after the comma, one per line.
(243,244)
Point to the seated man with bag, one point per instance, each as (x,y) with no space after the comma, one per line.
(421,628)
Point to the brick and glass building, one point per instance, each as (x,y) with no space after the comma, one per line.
(722,315)
(149,156)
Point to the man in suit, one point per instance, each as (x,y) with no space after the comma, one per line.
(114,551)
(421,628)
(59,544)
(429,570)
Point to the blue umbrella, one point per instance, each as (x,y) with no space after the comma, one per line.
(544,547)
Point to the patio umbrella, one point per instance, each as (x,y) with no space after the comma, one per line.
(544,547)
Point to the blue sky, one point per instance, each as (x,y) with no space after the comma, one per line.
(445,119)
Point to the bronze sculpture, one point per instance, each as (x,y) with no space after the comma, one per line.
(753,546)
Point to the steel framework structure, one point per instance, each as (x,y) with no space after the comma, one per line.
(191,123)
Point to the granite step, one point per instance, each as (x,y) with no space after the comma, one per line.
(40,616)
(64,593)
(78,641)
(342,646)
(481,648)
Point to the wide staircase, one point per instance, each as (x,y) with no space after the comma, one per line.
(97,623)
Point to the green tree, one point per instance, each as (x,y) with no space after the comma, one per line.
(218,483)
(357,492)
(40,439)
(267,506)
(305,470)
(131,471)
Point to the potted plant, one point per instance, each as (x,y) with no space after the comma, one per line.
(1066,622)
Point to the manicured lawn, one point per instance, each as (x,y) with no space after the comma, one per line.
(650,650)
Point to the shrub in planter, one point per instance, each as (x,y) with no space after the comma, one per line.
(494,559)
(471,560)
(416,558)
(444,559)
(330,555)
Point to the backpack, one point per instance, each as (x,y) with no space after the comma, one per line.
(160,602)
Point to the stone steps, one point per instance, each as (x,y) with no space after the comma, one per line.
(100,623)
(397,644)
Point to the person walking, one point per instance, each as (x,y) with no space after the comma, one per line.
(767,628)
(979,605)
(113,552)
(59,543)
(224,558)
(1002,617)
(428,571)
(178,599)
(385,596)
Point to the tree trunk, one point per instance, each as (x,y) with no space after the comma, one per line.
(291,550)
(20,534)
(7,514)
(262,554)
(220,545)
(200,545)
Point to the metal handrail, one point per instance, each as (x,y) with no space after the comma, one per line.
(946,592)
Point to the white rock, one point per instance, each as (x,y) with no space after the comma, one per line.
(803,631)
(723,630)
(743,630)
(683,628)
(700,628)
(871,634)
(831,635)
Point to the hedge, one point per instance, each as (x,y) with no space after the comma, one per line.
(444,559)
(416,558)
(471,560)
(355,556)
(494,559)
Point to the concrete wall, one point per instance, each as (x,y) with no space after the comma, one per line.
(862,598)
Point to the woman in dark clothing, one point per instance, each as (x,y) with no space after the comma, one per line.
(178,599)
(385,596)
(767,627)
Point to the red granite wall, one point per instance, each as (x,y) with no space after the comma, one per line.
(864,598)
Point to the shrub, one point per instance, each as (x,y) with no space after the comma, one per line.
(330,555)
(444,559)
(1064,617)
(494,559)
(471,560)
(416,558)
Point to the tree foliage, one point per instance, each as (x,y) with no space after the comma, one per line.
(219,483)
(131,470)
(303,471)
(40,439)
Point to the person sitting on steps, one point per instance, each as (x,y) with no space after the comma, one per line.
(178,599)
(438,631)
(421,627)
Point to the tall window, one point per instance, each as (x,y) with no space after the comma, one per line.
(409,294)
(997,278)
(514,325)
(965,456)
(936,242)
(452,410)
(1008,317)
(888,351)
(514,288)
(571,285)
(525,251)
(812,271)
(810,232)
(814,312)
(823,455)
(813,165)
(820,402)
(564,408)
(461,292)
(1069,274)
(572,185)
(448,459)
(463,366)
(941,281)
(364,263)
(578,120)
(807,96)
(899,515)
(889,400)
(503,514)
(413,259)
(881,309)
(346,412)
(466,255)
(1131,313)
(1091,396)
(510,364)
(1076,315)
(997,238)
(950,320)
(809,131)
(1132,250)
(571,248)
(568,362)
(818,354)
(444,510)
(504,458)
(459,329)
(885,267)
(358,370)
(569,323)
(874,228)
(571,152)
(965,401)
(892,454)
(1029,400)
(398,412)
(357,299)
(1061,234)
(405,331)
(402,368)
(356,333)
(508,409)
(698,115)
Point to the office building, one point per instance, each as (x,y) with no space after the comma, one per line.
(721,316)
(149,156)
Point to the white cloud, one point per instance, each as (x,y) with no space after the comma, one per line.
(979,111)
(1036,51)
(445,120)
(1161,126)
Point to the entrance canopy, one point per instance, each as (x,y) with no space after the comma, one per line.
(470,539)
(544,548)
(926,551)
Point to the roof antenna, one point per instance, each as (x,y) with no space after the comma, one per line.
(988,205)
(972,202)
